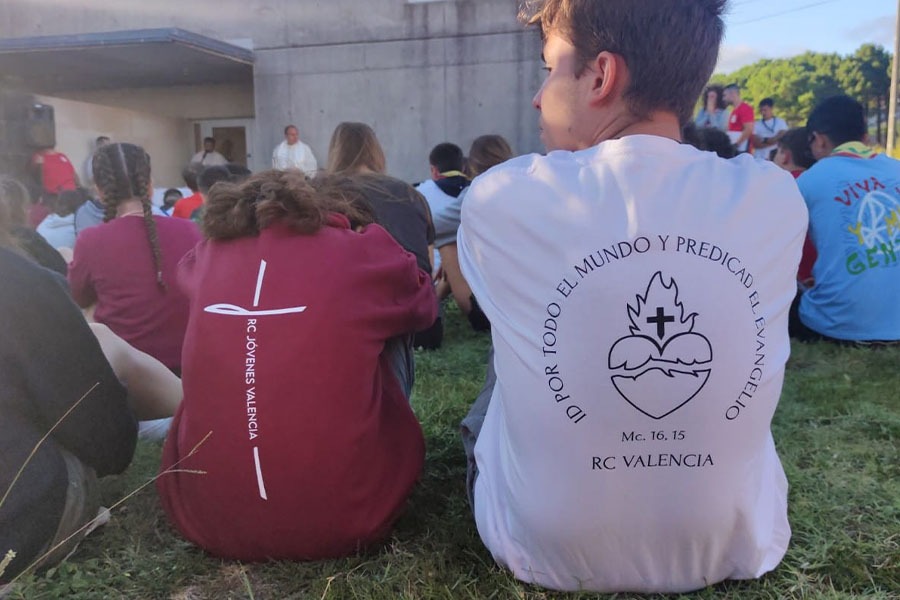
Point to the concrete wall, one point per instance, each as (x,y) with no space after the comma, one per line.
(168,140)
(269,23)
(419,72)
(414,93)
(183,102)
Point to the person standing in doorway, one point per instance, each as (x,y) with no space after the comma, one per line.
(208,157)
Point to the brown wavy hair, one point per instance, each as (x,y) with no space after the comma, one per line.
(122,172)
(488,151)
(235,210)
(720,96)
(354,148)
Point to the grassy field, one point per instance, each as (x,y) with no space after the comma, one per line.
(837,429)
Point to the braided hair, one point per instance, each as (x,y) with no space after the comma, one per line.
(121,173)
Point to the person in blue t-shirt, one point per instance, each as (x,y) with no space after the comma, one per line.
(853,197)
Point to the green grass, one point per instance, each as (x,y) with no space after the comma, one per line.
(837,429)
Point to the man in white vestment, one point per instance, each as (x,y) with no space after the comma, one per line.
(294,154)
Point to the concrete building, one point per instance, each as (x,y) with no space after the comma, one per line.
(165,74)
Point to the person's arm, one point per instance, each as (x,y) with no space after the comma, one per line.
(430,235)
(469,246)
(760,141)
(459,288)
(36,171)
(154,392)
(721,119)
(783,129)
(757,140)
(746,133)
(40,250)
(746,118)
(275,164)
(408,303)
(79,275)
(309,163)
(63,367)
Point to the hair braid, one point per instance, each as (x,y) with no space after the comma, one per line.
(122,172)
(141,184)
(105,179)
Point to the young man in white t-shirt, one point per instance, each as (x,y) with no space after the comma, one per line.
(767,131)
(638,293)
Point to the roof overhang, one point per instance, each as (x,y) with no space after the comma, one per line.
(122,59)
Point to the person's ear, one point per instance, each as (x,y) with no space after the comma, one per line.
(606,71)
(434,172)
(787,157)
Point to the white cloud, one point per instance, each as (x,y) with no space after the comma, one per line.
(733,57)
(876,31)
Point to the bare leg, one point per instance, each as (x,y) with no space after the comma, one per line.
(89,313)
(154,392)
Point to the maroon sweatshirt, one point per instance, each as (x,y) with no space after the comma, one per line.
(113,266)
(313,447)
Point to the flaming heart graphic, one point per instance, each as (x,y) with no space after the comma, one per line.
(658,362)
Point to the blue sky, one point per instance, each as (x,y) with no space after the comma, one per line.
(779,28)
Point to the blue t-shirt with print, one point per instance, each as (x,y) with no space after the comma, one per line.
(854,222)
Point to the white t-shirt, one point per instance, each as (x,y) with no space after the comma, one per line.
(295,156)
(444,214)
(58,231)
(768,128)
(603,272)
(209,159)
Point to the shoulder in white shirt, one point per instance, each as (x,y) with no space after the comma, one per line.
(638,294)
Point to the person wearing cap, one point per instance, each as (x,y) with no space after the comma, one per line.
(854,222)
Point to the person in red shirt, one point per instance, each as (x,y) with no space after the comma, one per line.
(185,207)
(54,173)
(293,409)
(740,123)
(793,154)
(126,266)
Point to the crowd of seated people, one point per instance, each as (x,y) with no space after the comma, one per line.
(266,330)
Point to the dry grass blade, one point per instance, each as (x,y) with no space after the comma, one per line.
(119,503)
(42,440)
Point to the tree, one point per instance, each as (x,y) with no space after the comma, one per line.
(798,83)
(866,76)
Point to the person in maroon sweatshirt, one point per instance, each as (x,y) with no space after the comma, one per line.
(293,410)
(126,266)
